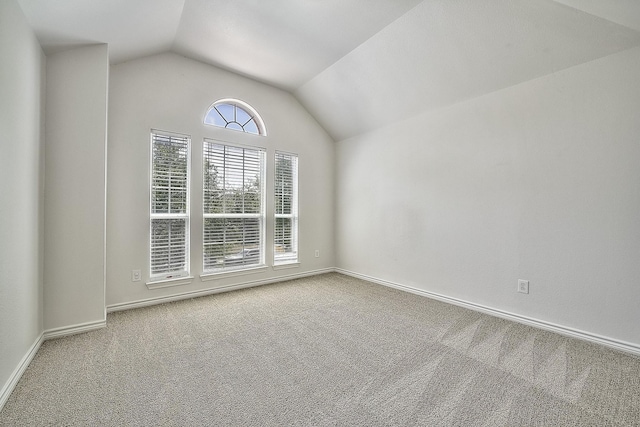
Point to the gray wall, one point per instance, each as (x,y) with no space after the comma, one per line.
(538,181)
(172,93)
(76,118)
(21,164)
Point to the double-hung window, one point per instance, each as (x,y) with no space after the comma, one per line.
(233,206)
(286,208)
(169,207)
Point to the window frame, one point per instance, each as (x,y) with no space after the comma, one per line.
(292,257)
(261,215)
(236,103)
(168,274)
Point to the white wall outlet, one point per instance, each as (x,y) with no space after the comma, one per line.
(523,286)
(136,275)
(317,253)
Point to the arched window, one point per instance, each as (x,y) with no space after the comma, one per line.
(235,114)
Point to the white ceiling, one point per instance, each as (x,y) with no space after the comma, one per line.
(132,28)
(623,12)
(355,64)
(281,42)
(444,52)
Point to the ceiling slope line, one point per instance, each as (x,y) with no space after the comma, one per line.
(381,29)
(564,3)
(175,33)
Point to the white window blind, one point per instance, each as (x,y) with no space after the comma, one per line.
(169,210)
(286,208)
(233,204)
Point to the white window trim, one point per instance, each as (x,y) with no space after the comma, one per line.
(239,270)
(159,284)
(175,275)
(288,261)
(286,265)
(262,129)
(233,272)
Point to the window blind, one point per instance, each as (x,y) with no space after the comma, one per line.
(169,207)
(233,204)
(286,208)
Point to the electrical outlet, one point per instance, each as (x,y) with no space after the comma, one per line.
(136,275)
(317,253)
(523,286)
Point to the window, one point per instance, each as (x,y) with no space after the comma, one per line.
(169,207)
(233,205)
(286,208)
(236,115)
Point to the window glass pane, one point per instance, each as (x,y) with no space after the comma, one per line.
(160,201)
(231,179)
(227,111)
(214,118)
(235,126)
(169,196)
(251,127)
(286,208)
(232,115)
(231,242)
(283,237)
(284,184)
(169,175)
(242,116)
(214,245)
(252,185)
(232,183)
(212,184)
(168,245)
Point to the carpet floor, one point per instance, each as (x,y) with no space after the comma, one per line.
(328,350)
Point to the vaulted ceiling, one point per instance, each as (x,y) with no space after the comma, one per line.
(354,64)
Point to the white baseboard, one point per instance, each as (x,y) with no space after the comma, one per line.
(541,324)
(210,291)
(73,329)
(11,383)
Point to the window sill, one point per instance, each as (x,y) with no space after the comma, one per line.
(231,273)
(286,265)
(165,283)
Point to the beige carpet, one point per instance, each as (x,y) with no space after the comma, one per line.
(328,350)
